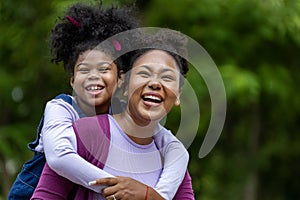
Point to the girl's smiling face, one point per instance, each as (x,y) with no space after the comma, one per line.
(94,81)
(153,87)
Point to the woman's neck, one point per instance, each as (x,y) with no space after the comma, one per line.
(139,133)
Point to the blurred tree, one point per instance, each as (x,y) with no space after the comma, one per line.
(27,79)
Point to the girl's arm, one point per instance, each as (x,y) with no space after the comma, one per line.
(59,143)
(175,163)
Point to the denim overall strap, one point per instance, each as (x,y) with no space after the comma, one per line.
(34,144)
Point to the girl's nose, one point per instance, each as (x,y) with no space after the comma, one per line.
(94,74)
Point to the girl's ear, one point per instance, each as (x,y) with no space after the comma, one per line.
(72,80)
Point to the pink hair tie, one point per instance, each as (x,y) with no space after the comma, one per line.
(73,21)
(117,45)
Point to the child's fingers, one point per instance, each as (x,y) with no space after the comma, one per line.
(104,181)
(92,183)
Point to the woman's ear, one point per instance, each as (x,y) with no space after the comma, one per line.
(177,102)
(125,88)
(121,79)
(125,91)
(125,79)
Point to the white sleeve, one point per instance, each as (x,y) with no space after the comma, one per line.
(175,158)
(59,143)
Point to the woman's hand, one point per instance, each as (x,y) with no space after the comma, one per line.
(125,188)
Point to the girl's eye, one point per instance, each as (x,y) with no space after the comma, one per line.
(103,69)
(83,69)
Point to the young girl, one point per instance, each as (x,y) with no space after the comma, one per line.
(93,83)
(128,148)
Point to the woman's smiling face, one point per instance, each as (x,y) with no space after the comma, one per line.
(153,87)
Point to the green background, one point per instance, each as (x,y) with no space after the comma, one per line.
(254,43)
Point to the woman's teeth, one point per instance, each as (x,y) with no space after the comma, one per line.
(152,98)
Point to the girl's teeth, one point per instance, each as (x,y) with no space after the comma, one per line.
(94,88)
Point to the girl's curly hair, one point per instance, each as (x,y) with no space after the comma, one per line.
(84,27)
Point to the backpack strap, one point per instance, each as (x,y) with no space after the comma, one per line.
(34,144)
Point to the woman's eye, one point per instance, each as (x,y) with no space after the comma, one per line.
(168,78)
(144,74)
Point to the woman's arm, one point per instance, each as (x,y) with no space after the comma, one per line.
(59,143)
(185,190)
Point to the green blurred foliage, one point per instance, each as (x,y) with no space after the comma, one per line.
(254,43)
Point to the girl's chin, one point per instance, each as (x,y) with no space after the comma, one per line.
(94,103)
(94,93)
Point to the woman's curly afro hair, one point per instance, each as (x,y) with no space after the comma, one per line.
(91,25)
(173,42)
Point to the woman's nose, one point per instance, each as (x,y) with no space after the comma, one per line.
(154,85)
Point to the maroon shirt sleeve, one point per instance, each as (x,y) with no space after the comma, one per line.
(185,190)
(52,186)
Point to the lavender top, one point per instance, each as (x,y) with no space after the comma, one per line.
(58,141)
